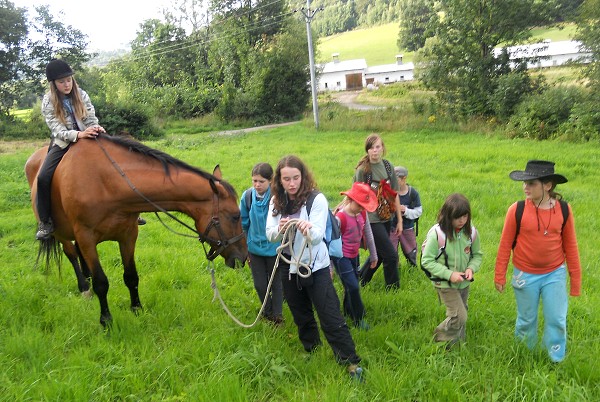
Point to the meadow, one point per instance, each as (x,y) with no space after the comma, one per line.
(377,45)
(183,347)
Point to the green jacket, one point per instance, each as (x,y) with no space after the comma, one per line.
(462,254)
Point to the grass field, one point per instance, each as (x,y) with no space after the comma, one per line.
(378,44)
(183,347)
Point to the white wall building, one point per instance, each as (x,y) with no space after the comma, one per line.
(354,74)
(341,75)
(551,54)
(389,73)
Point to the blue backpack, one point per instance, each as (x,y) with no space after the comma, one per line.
(333,235)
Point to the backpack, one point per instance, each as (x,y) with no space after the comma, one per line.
(388,168)
(333,235)
(441,238)
(564,208)
(412,198)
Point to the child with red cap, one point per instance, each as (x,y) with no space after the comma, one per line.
(354,224)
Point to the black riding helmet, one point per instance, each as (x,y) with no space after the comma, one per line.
(57,69)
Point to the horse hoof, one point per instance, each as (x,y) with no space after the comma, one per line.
(106,322)
(137,309)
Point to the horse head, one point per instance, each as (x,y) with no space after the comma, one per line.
(224,230)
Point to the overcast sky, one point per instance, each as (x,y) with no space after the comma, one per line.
(109,24)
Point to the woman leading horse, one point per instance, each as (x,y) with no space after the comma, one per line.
(100,187)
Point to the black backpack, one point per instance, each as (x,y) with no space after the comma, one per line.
(564,208)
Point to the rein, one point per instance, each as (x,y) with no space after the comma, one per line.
(216,245)
(288,232)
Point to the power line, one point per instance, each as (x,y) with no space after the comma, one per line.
(199,41)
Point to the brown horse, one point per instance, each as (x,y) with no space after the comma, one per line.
(100,187)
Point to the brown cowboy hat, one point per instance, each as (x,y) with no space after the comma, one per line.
(538,170)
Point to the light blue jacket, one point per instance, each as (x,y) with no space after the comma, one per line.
(254,222)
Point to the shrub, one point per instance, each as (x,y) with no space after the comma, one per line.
(131,119)
(539,116)
(584,121)
(511,90)
(32,127)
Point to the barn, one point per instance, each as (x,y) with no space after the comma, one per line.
(339,75)
(389,73)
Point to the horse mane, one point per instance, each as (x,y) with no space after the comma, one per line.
(165,159)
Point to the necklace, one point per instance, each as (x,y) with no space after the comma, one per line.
(542,220)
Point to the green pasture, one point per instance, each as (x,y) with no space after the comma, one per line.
(378,44)
(183,347)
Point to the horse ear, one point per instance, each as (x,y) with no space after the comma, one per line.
(217,172)
(213,186)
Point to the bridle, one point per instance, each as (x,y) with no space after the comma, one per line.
(217,245)
(220,244)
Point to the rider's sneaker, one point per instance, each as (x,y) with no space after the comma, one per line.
(141,221)
(45,230)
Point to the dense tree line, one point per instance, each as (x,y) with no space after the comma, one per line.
(239,59)
(456,43)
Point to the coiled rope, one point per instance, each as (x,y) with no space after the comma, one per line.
(288,232)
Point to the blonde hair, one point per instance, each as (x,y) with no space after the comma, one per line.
(78,106)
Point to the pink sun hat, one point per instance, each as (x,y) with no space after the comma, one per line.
(363,195)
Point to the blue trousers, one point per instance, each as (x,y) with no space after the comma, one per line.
(347,270)
(551,288)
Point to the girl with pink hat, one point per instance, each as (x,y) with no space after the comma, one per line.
(354,224)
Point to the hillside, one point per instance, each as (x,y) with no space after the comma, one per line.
(378,44)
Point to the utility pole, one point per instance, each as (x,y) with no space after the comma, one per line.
(308,16)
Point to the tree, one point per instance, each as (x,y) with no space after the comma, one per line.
(460,62)
(56,41)
(417,23)
(588,33)
(13,32)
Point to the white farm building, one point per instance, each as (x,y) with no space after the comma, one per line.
(354,74)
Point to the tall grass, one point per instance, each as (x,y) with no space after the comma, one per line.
(184,347)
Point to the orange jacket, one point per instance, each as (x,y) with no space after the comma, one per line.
(536,253)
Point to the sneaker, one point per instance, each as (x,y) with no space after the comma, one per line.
(141,221)
(356,372)
(45,230)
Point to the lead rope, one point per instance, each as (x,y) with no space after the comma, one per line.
(288,232)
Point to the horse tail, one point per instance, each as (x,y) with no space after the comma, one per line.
(49,251)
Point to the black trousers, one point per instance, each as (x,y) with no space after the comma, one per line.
(320,295)
(386,254)
(53,158)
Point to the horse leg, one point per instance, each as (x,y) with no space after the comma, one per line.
(100,283)
(85,270)
(130,275)
(72,253)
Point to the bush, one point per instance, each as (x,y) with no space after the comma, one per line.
(130,119)
(584,121)
(511,90)
(539,116)
(33,127)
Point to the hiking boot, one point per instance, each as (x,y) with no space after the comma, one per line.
(356,372)
(45,230)
(141,221)
(276,320)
